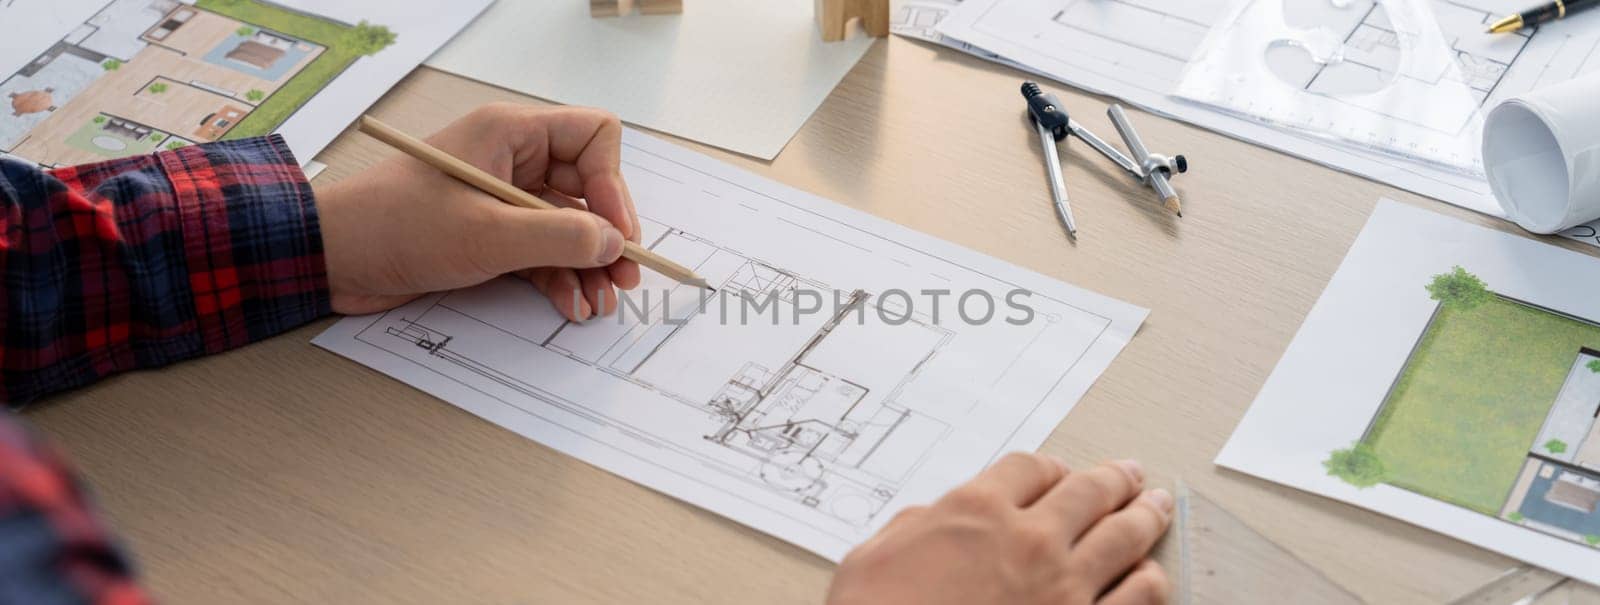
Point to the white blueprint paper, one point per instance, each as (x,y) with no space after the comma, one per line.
(1137,50)
(815,430)
(1544,166)
(1484,420)
(46,21)
(920,19)
(735,74)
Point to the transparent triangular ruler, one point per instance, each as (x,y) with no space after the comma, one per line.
(1528,585)
(1218,559)
(1221,560)
(1570,592)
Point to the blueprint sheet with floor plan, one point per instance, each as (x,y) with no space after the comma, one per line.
(814,427)
(1137,50)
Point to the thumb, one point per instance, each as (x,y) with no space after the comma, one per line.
(566,237)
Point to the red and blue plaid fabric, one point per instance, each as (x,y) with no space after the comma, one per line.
(144,261)
(122,265)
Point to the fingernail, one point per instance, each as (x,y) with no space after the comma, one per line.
(613,245)
(1133,468)
(1062,464)
(1159,498)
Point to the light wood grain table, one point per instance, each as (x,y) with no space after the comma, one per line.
(282,473)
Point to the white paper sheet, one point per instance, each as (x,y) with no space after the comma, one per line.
(735,74)
(47,21)
(90,80)
(1137,49)
(920,19)
(815,430)
(1475,415)
(1541,153)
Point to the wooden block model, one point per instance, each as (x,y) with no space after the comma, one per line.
(833,15)
(613,8)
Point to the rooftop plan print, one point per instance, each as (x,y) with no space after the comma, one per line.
(137,76)
(1448,376)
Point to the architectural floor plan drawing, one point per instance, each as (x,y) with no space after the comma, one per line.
(1138,50)
(818,392)
(1558,491)
(136,76)
(1354,76)
(920,19)
(794,407)
(1449,376)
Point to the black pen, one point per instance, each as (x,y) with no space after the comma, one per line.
(1556,9)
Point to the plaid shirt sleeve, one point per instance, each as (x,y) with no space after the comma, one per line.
(121,265)
(140,262)
(52,547)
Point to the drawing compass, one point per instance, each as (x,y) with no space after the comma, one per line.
(1154,170)
(1052,124)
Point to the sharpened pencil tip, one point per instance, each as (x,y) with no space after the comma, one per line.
(1173,205)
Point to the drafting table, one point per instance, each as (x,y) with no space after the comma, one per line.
(282,473)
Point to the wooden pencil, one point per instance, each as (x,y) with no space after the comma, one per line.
(510,194)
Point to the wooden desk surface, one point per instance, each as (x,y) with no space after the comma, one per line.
(283,473)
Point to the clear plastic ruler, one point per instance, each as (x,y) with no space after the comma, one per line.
(1527,585)
(1218,559)
(1375,74)
(1221,560)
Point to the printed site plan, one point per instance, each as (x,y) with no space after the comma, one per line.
(1448,376)
(1496,410)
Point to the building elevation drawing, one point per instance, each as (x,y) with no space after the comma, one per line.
(816,394)
(144,75)
(1496,410)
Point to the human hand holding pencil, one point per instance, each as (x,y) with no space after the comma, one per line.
(403,228)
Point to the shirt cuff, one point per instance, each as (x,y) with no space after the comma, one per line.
(251,240)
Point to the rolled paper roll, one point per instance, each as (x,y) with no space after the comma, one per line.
(1541,154)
